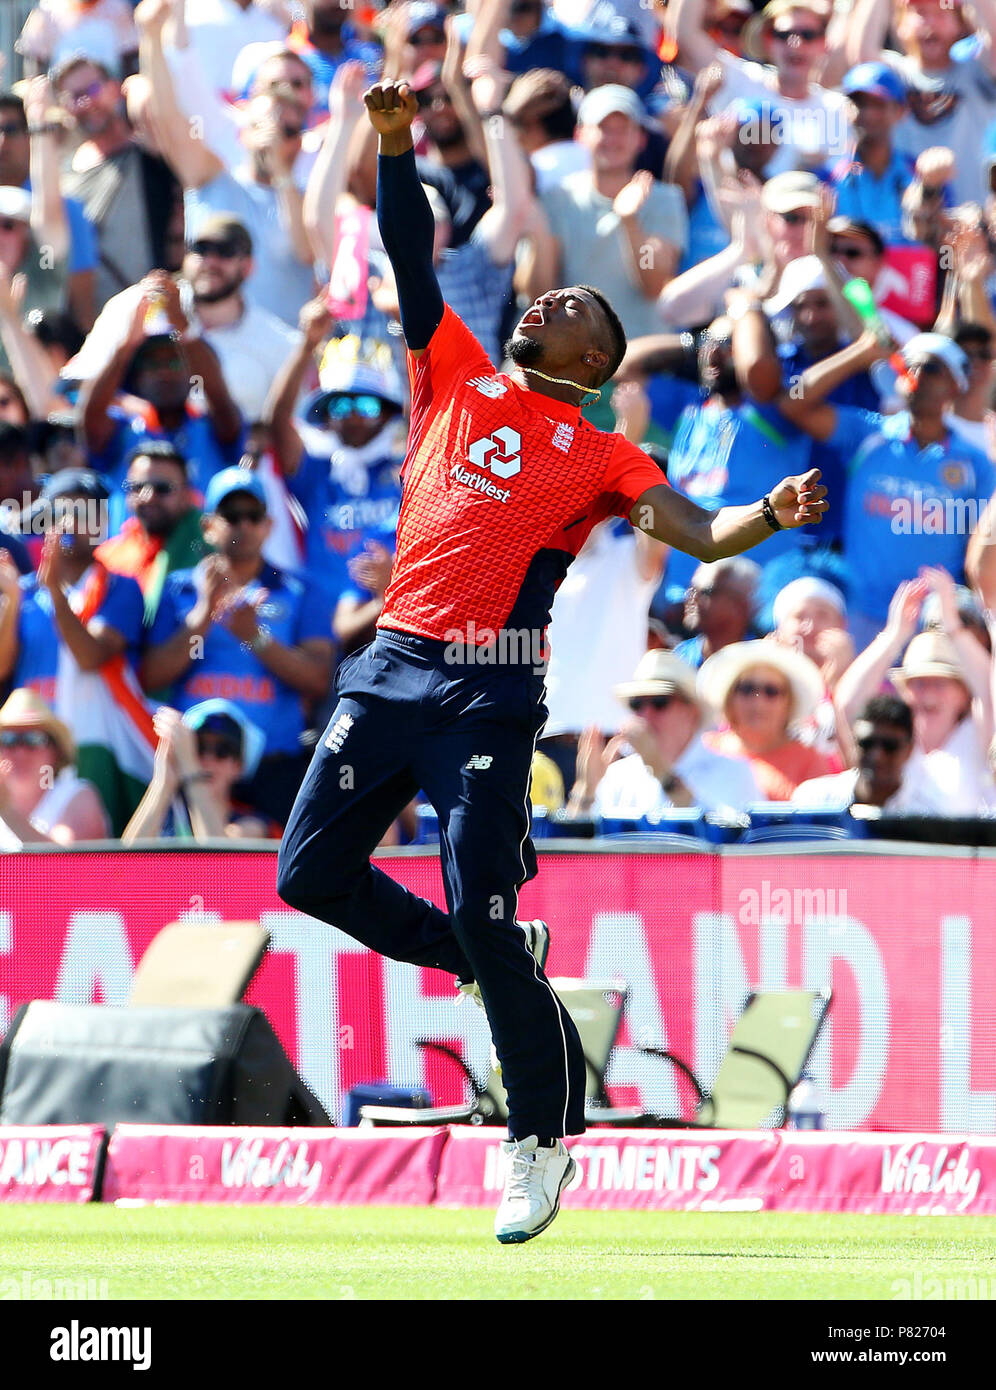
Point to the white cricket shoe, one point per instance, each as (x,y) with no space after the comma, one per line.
(536,1178)
(537,936)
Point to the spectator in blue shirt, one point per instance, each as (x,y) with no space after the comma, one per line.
(237,628)
(726,448)
(157,365)
(342,460)
(915,489)
(870,186)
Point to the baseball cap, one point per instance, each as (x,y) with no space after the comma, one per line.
(786,192)
(75,482)
(606,101)
(802,274)
(231,480)
(944,349)
(224,717)
(423,14)
(874,79)
(222,226)
(15,203)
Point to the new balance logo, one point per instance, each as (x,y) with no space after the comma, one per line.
(337,734)
(563,437)
(488,386)
(480,762)
(498,452)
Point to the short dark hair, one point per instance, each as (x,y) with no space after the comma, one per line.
(55,328)
(10,101)
(157,451)
(616,330)
(15,441)
(973,333)
(889,709)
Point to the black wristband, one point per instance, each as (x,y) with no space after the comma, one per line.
(768,513)
(49,128)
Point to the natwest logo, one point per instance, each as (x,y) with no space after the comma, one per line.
(498,452)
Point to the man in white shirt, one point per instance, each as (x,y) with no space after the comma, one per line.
(668,764)
(890,774)
(251,344)
(792,40)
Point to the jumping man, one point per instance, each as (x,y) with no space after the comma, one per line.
(503,481)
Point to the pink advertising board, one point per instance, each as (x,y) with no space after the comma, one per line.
(49,1163)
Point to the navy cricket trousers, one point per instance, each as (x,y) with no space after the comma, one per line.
(407,719)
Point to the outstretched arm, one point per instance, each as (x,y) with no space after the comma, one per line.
(403,213)
(670,516)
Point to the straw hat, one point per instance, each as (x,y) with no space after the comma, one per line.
(757,28)
(660,672)
(26,710)
(720,673)
(930,653)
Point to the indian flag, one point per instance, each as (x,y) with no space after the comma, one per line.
(110,718)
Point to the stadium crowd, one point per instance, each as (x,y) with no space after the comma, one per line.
(204,400)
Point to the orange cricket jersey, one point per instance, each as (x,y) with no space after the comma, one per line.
(501,488)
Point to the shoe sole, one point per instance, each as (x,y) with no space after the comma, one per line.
(520,1237)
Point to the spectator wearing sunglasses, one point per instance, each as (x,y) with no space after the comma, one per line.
(760,692)
(163,531)
(790,42)
(325,38)
(200,757)
(452,163)
(341,454)
(902,468)
(889,773)
(720,606)
(261,191)
(972,416)
(237,628)
(659,758)
(859,250)
(42,800)
(250,343)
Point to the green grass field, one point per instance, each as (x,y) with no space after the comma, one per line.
(404,1253)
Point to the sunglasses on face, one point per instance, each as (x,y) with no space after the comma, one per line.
(220,748)
(873,741)
(30,738)
(751,688)
(803,35)
(427,37)
(224,250)
(607,50)
(658,702)
(794,219)
(432,97)
(928,368)
(10,224)
(521,7)
(84,94)
(292,132)
(159,488)
(234,516)
(850,253)
(366,406)
(12,128)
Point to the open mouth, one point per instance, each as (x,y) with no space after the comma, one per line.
(533,319)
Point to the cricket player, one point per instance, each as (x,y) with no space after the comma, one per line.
(502,482)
